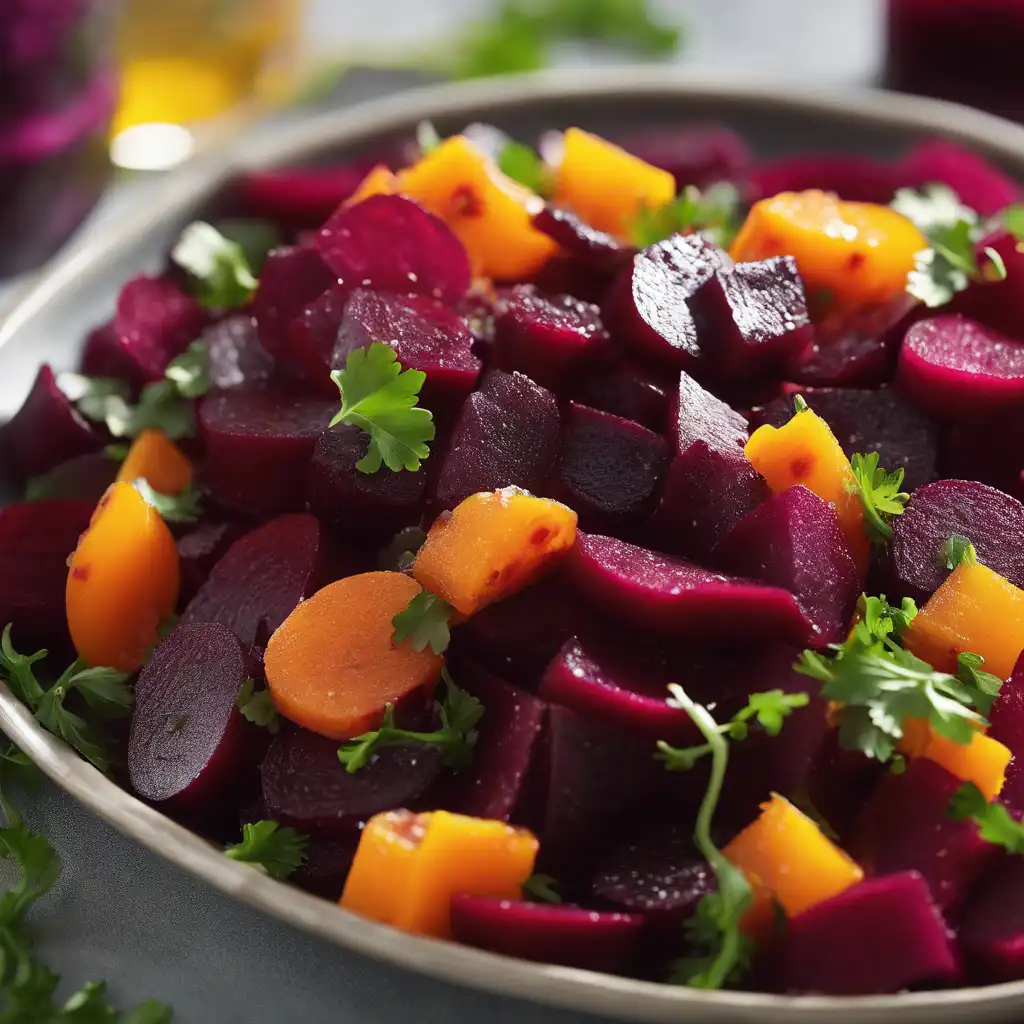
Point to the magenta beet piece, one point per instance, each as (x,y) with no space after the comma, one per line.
(841,783)
(299,197)
(370,507)
(425,335)
(547,338)
(46,431)
(36,539)
(389,243)
(154,322)
(1007,726)
(83,478)
(237,359)
(997,304)
(259,444)
(263,576)
(595,249)
(507,434)
(292,279)
(648,589)
(200,550)
(793,541)
(879,936)
(312,335)
(710,485)
(955,368)
(979,184)
(969,453)
(655,305)
(992,930)
(571,936)
(628,390)
(189,745)
(327,863)
(608,468)
(696,154)
(509,736)
(307,787)
(104,356)
(870,421)
(991,520)
(851,177)
(906,827)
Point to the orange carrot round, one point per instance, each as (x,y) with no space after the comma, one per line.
(333,665)
(122,582)
(159,461)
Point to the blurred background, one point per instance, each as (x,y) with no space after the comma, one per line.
(100,91)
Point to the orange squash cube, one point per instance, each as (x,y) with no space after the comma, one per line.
(379,181)
(159,461)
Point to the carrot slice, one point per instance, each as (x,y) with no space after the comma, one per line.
(492,545)
(122,582)
(332,666)
(409,866)
(380,180)
(157,459)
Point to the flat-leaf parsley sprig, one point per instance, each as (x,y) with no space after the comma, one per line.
(881,495)
(274,850)
(217,266)
(424,621)
(382,399)
(995,823)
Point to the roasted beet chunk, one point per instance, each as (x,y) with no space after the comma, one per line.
(425,336)
(608,468)
(628,390)
(992,931)
(858,179)
(594,249)
(695,154)
(200,550)
(1007,726)
(237,359)
(506,434)
(312,335)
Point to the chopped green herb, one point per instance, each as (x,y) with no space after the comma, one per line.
(190,372)
(115,452)
(883,620)
(994,821)
(424,621)
(257,706)
(984,686)
(274,850)
(799,404)
(880,494)
(958,549)
(217,267)
(541,889)
(256,237)
(426,137)
(173,508)
(381,398)
(713,213)
(460,713)
(523,164)
(1013,218)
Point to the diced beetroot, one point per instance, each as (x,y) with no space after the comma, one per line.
(237,359)
(565,935)
(979,184)
(793,541)
(991,520)
(968,451)
(370,507)
(992,930)
(83,478)
(506,434)
(189,745)
(425,336)
(653,306)
(307,787)
(596,250)
(509,736)
(477,310)
(200,550)
(695,154)
(547,338)
(154,322)
(36,539)
(312,335)
(1007,726)
(852,177)
(628,390)
(299,197)
(841,784)
(906,827)
(390,243)
(880,936)
(608,468)
(104,356)
(655,591)
(259,443)
(954,368)
(710,485)
(998,304)
(263,576)
(46,431)
(870,421)
(327,863)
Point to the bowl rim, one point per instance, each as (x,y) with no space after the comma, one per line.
(564,987)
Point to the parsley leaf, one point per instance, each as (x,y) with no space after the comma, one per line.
(995,823)
(541,889)
(958,549)
(257,706)
(255,237)
(173,508)
(522,163)
(984,686)
(272,849)
(1013,218)
(459,712)
(424,621)
(713,213)
(880,495)
(217,267)
(190,372)
(883,620)
(381,398)
(427,138)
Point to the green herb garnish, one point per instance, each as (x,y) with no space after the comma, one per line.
(256,238)
(217,267)
(274,850)
(257,706)
(994,821)
(713,213)
(958,549)
(880,494)
(541,889)
(424,621)
(522,163)
(184,507)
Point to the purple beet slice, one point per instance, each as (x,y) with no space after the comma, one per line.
(300,197)
(369,507)
(390,243)
(669,595)
(237,359)
(855,178)
(955,368)
(793,541)
(998,304)
(906,827)
(547,338)
(263,576)
(991,520)
(992,930)
(593,249)
(46,431)
(507,434)
(1006,724)
(189,745)
(425,335)
(880,936)
(628,390)
(652,306)
(200,550)
(327,863)
(259,443)
(608,468)
(312,335)
(696,154)
(571,936)
(307,787)
(83,478)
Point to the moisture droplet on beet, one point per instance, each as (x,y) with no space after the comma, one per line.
(307,787)
(237,359)
(189,745)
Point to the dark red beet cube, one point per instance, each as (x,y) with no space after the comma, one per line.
(696,154)
(992,930)
(200,550)
(997,304)
(1007,726)
(299,197)
(312,335)
(237,359)
(593,249)
(628,390)
(104,356)
(968,451)
(83,478)
(855,178)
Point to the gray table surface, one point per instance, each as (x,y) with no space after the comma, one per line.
(120,912)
